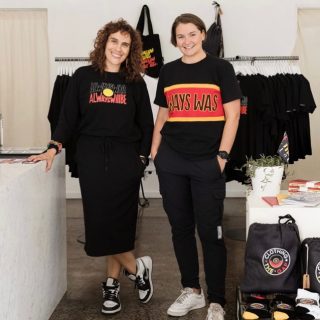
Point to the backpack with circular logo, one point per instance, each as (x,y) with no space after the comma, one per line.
(272,257)
(310,248)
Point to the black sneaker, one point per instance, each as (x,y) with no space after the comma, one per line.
(143,279)
(110,291)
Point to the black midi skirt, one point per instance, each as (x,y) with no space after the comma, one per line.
(109,175)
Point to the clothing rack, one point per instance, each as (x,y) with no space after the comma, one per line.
(262,58)
(62,59)
(265,65)
(236,58)
(68,65)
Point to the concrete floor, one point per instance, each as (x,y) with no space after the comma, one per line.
(83,298)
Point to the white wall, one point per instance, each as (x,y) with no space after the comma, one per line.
(265,27)
(250,27)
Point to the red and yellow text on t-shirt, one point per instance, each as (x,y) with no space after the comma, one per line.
(194,102)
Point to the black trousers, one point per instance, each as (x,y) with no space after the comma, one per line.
(193,193)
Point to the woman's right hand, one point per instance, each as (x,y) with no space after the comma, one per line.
(47,156)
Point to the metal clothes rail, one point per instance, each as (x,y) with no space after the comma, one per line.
(236,58)
(262,58)
(60,59)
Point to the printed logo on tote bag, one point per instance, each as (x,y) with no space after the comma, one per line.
(152,59)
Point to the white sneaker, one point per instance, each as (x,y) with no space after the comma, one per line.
(215,312)
(187,301)
(143,279)
(110,291)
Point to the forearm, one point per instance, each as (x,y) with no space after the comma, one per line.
(231,126)
(229,135)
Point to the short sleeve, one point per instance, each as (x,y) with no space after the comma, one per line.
(229,86)
(160,98)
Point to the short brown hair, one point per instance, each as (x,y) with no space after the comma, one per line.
(186,18)
(130,68)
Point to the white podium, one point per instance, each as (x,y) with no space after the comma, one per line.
(33,257)
(307,218)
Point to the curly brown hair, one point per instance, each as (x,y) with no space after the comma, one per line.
(132,67)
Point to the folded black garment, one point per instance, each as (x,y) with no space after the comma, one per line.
(283,307)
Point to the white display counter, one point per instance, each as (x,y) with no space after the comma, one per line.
(33,265)
(307,218)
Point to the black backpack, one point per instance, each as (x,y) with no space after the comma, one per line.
(213,43)
(272,257)
(311,263)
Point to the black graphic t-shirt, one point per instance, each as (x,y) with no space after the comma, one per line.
(195,94)
(105,105)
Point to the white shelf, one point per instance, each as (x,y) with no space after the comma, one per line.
(307,218)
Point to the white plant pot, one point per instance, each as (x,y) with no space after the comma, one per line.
(267,181)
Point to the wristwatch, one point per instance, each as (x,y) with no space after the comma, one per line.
(224,155)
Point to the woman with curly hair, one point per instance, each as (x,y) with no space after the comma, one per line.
(108,106)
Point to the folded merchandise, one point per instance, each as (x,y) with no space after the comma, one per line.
(283,307)
(275,306)
(256,309)
(302,199)
(307,305)
(301,185)
(271,201)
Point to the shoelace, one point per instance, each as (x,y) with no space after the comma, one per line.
(110,293)
(140,283)
(185,293)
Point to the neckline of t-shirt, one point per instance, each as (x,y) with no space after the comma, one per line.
(195,63)
(107,75)
(112,72)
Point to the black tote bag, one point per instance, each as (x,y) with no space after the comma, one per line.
(272,257)
(152,59)
(213,42)
(311,262)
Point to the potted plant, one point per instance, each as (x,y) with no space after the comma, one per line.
(266,174)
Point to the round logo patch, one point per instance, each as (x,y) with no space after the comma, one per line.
(276,261)
(317,272)
(284,306)
(256,305)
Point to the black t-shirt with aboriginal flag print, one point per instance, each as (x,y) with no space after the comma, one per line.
(105,105)
(195,94)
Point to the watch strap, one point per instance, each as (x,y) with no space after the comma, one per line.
(224,155)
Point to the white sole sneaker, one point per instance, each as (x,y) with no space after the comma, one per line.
(187,301)
(147,262)
(183,313)
(111,311)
